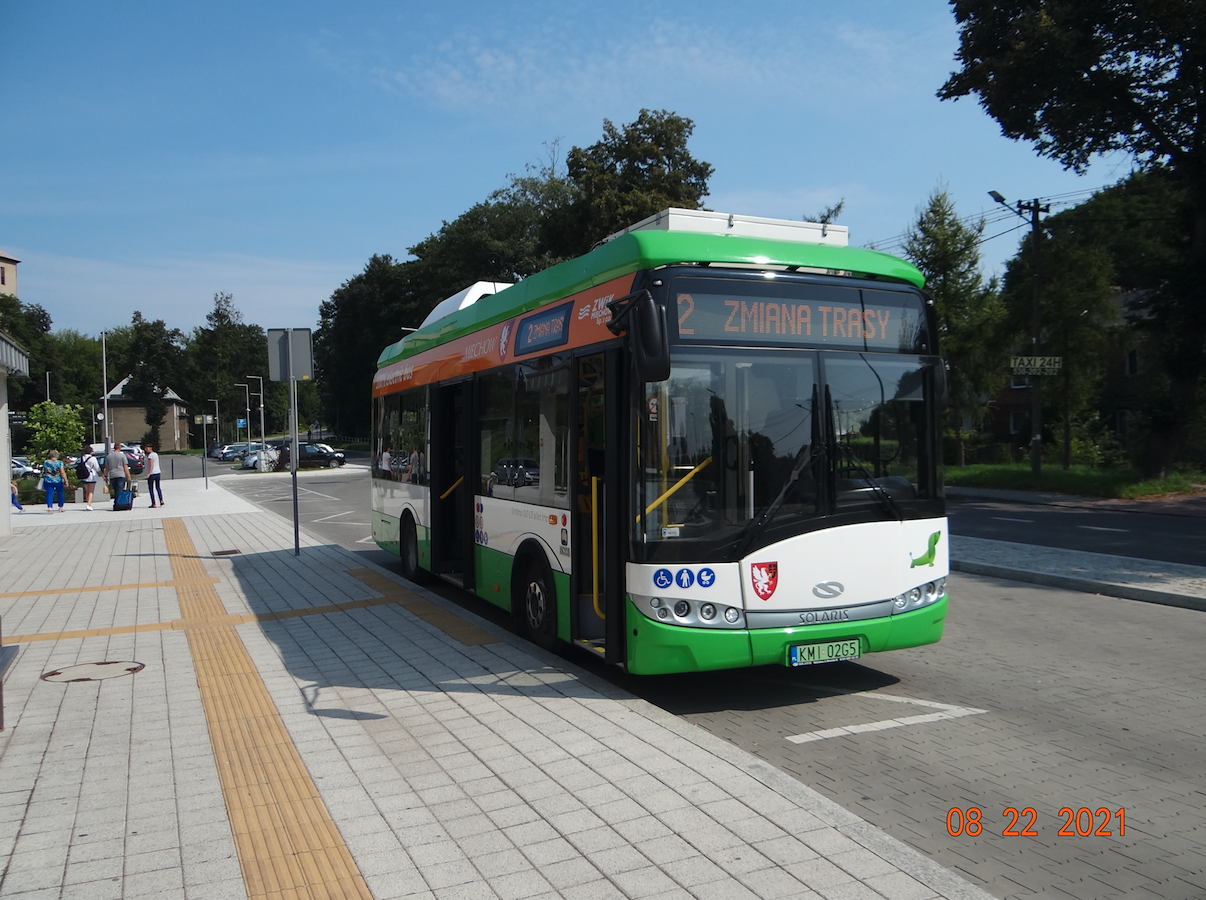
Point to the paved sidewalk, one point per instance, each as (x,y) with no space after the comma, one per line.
(316,727)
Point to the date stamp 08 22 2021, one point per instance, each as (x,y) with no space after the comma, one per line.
(1081,822)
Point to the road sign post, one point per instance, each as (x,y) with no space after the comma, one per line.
(290,359)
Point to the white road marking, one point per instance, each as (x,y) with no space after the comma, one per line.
(1006,519)
(368,540)
(335,516)
(1103,528)
(945,711)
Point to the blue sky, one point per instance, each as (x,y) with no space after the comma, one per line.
(155,154)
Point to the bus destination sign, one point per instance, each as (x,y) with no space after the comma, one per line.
(851,319)
(544,330)
(1036,365)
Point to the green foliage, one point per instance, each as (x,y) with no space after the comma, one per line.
(541,218)
(155,364)
(1083,481)
(54,427)
(630,174)
(968,309)
(216,359)
(28,324)
(1081,78)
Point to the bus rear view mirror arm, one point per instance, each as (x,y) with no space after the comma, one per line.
(644,321)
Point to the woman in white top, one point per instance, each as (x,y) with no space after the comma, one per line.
(92,476)
(153,485)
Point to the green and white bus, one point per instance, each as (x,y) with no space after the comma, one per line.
(711,442)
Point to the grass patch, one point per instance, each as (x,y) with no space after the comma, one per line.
(1084,481)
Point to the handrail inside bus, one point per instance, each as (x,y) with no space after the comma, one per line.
(650,508)
(594,537)
(456,484)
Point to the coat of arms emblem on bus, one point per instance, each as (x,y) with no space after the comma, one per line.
(927,558)
(502,341)
(766,579)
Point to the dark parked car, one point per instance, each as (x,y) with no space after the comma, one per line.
(312,456)
(136,462)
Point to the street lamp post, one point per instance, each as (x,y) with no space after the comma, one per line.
(247,420)
(105,427)
(1033,208)
(263,467)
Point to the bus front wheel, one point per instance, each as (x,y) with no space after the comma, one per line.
(540,605)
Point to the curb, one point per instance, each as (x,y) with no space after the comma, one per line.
(1110,589)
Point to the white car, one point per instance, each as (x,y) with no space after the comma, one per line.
(252,459)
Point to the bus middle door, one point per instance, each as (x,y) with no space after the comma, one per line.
(597,597)
(451,488)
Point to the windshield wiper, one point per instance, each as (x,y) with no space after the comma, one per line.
(802,459)
(878,489)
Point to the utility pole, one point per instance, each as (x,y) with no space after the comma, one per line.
(1034,208)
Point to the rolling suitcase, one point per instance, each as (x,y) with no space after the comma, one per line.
(123,500)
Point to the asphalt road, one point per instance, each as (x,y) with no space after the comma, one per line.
(1146,535)
(1036,700)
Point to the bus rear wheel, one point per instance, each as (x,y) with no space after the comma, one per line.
(539,605)
(408,549)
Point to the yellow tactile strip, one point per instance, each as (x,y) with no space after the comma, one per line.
(288,845)
(89,590)
(448,622)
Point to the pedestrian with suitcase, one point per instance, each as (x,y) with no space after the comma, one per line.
(117,474)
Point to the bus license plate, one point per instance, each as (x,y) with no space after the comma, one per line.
(829,651)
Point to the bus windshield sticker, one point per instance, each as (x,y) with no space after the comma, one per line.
(546,329)
(824,317)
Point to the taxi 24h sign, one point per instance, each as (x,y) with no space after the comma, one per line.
(1036,365)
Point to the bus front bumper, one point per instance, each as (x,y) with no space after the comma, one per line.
(655,648)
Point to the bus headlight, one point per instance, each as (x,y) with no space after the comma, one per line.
(931,592)
(731,615)
(681,608)
(901,601)
(707,611)
(915,596)
(655,602)
(663,613)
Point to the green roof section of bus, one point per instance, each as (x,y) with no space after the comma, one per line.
(637,250)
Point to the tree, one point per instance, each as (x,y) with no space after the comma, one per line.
(29,324)
(628,175)
(1078,316)
(1080,78)
(154,363)
(222,354)
(538,220)
(54,427)
(968,310)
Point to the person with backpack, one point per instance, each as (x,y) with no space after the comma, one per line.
(87,472)
(54,480)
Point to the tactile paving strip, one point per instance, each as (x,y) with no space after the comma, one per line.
(287,843)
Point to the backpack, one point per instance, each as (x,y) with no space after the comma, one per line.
(81,468)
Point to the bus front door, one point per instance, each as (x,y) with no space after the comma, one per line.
(597,613)
(451,492)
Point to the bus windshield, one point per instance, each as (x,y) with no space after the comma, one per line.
(743,446)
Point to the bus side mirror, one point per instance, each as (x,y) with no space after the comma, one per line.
(942,384)
(644,321)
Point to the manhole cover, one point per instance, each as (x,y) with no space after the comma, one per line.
(94,671)
(227,552)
